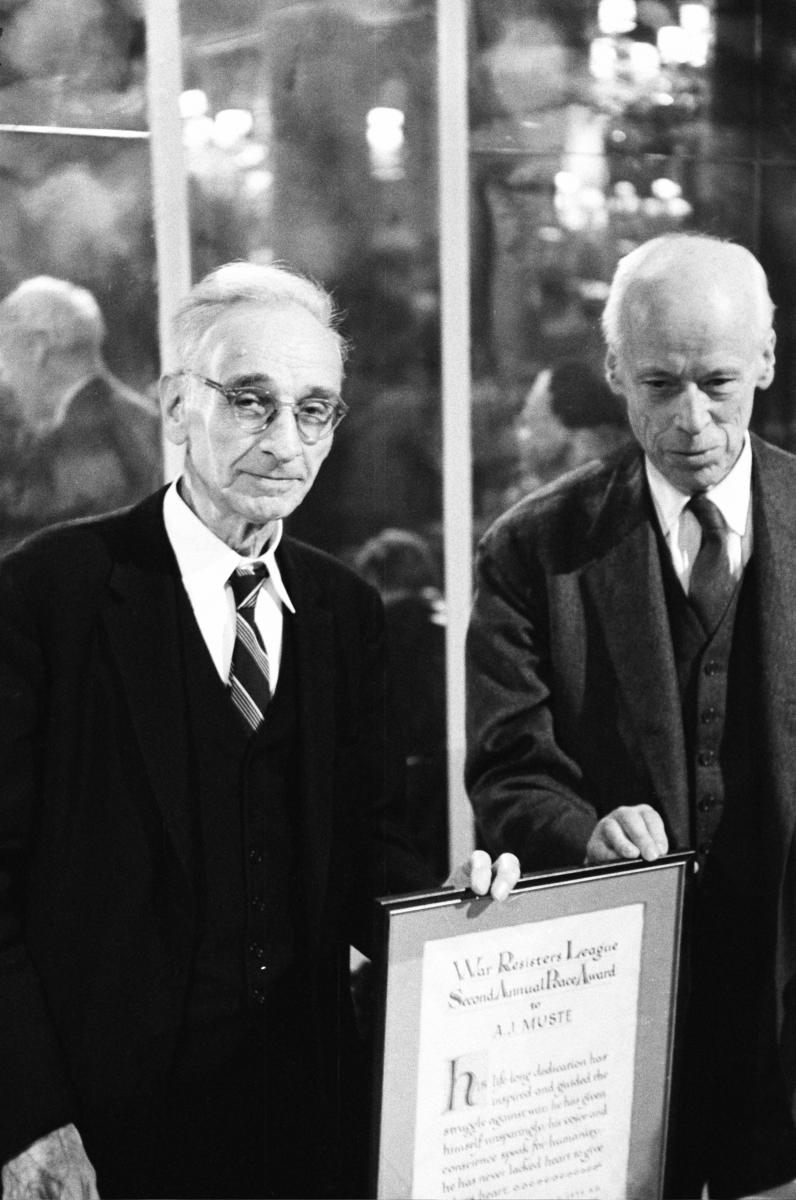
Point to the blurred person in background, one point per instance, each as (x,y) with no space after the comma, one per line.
(84,442)
(401,566)
(569,417)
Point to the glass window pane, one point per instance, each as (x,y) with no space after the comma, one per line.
(78,329)
(73,63)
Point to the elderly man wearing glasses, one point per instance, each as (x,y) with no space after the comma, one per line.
(198,796)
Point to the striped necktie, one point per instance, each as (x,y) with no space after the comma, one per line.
(712,583)
(249,678)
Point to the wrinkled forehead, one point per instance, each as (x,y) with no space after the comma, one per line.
(275,341)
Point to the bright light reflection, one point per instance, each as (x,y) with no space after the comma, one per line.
(579,205)
(232,125)
(699,49)
(257,183)
(602,58)
(566,182)
(645,61)
(625,198)
(674,44)
(616,16)
(193,103)
(197,132)
(679,44)
(385,137)
(695,18)
(385,128)
(250,156)
(665,189)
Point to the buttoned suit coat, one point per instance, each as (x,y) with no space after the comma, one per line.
(573,700)
(98,870)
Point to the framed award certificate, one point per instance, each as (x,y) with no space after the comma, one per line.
(525,1048)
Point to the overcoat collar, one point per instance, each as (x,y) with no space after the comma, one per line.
(141,620)
(143,631)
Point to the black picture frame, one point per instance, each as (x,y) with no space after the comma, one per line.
(525,1048)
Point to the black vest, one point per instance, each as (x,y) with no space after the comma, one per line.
(719,692)
(246,795)
(733,1116)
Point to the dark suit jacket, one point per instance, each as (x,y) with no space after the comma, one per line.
(105,454)
(97,865)
(573,705)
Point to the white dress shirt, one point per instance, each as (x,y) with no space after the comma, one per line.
(206,564)
(732,497)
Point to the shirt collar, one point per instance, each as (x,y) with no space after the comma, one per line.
(732,496)
(203,558)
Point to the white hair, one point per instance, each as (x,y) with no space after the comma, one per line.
(66,314)
(249,283)
(662,255)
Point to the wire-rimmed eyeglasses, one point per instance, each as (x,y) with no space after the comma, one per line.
(254,407)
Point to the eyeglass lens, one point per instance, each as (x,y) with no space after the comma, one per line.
(256,408)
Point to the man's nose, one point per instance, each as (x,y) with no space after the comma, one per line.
(281,436)
(693,412)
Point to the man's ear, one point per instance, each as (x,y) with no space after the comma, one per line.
(172,408)
(612,371)
(766,374)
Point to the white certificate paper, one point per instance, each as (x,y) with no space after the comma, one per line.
(526,1060)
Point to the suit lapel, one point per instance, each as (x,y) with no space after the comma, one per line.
(143,632)
(625,584)
(314,641)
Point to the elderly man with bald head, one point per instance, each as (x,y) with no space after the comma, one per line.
(632,683)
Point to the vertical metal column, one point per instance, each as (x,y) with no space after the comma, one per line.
(452,66)
(169,187)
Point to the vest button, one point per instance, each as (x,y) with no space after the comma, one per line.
(708,715)
(707,802)
(706,758)
(704,847)
(258,996)
(256,950)
(712,667)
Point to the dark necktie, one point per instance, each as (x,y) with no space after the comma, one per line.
(249,677)
(712,583)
